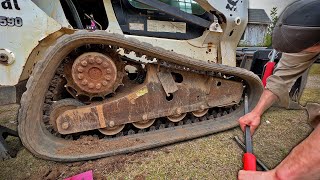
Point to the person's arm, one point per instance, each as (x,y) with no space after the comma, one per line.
(288,70)
(304,160)
(253,118)
(302,163)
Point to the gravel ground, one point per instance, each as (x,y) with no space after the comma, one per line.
(313,82)
(212,157)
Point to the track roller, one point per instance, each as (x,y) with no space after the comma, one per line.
(200,113)
(112,130)
(176,118)
(143,124)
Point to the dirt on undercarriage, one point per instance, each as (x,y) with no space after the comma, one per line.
(90,144)
(213,157)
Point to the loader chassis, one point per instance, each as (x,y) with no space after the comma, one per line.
(116,88)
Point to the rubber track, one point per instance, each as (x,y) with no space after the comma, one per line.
(41,143)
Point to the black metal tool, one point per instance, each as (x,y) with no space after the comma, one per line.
(247,128)
(249,160)
(5,151)
(243,147)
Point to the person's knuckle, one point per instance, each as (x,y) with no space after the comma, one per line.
(240,175)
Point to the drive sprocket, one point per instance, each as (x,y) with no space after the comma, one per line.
(94,74)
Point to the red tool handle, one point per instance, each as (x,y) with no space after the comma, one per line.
(249,162)
(267,72)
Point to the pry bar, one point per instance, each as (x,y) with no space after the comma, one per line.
(243,147)
(249,160)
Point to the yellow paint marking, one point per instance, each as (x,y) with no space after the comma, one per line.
(142,92)
(139,93)
(101,117)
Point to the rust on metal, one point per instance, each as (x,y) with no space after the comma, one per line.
(224,93)
(167,82)
(78,120)
(148,101)
(94,73)
(133,96)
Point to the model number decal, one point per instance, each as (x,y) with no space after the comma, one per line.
(6,21)
(7,4)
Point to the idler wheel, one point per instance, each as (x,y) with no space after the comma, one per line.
(94,73)
(60,107)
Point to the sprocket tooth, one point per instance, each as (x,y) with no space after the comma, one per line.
(162,126)
(127,51)
(130,132)
(120,134)
(152,128)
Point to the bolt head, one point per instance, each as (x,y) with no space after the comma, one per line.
(111,124)
(179,111)
(98,86)
(104,83)
(84,82)
(84,63)
(91,60)
(80,76)
(91,85)
(80,69)
(108,78)
(65,125)
(145,117)
(4,57)
(98,60)
(105,64)
(108,70)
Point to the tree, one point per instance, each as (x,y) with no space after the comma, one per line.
(274,19)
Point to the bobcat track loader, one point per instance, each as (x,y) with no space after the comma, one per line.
(105,77)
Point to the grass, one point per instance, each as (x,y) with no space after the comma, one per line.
(312,93)
(315,70)
(218,156)
(212,157)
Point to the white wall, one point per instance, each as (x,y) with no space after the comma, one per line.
(254,35)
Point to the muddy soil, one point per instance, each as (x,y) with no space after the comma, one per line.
(100,167)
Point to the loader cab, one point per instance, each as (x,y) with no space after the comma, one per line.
(138,19)
(188,6)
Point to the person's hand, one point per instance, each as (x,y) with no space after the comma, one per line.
(257,175)
(251,119)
